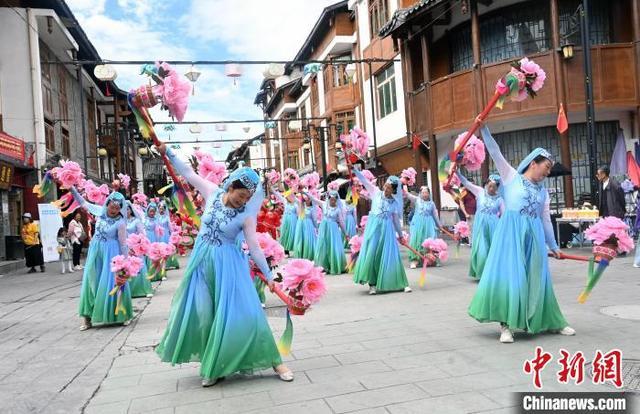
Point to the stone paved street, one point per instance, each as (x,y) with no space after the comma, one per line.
(393,353)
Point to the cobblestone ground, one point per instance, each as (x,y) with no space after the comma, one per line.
(394,353)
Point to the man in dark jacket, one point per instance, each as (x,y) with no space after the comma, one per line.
(611,201)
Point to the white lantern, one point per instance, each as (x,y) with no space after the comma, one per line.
(193,76)
(195,128)
(282,80)
(350,70)
(273,70)
(295,125)
(233,70)
(105,72)
(221,127)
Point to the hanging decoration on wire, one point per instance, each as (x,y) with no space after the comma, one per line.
(234,71)
(193,76)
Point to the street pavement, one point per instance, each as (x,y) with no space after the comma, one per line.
(413,352)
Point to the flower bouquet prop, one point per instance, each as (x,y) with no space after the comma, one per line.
(273,253)
(158,254)
(172,92)
(291,180)
(355,244)
(140,199)
(209,169)
(436,253)
(610,237)
(408,177)
(68,175)
(363,222)
(524,79)
(123,268)
(273,177)
(461,231)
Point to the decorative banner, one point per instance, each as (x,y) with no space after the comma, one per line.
(50,223)
(11,146)
(6,175)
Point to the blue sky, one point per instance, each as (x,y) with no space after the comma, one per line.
(201,30)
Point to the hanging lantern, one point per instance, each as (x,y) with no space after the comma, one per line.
(105,73)
(217,145)
(233,70)
(273,70)
(221,127)
(193,76)
(350,70)
(270,124)
(246,129)
(195,128)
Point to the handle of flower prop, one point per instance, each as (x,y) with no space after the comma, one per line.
(603,255)
(283,296)
(118,289)
(563,256)
(448,233)
(284,344)
(425,261)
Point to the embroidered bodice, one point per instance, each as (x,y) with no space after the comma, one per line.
(424,208)
(107,228)
(525,197)
(220,224)
(332,213)
(133,225)
(290,209)
(382,206)
(488,204)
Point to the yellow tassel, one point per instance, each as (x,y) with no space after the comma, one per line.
(114,290)
(583,297)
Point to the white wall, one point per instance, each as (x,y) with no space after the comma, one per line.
(15,76)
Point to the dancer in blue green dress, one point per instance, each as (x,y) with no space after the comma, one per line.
(350,220)
(164,219)
(139,285)
(216,317)
(306,234)
(109,240)
(424,224)
(152,223)
(515,289)
(379,263)
(289,220)
(490,206)
(330,245)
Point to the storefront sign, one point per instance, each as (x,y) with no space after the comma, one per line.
(11,146)
(6,175)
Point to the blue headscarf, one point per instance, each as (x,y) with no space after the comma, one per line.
(115,197)
(532,156)
(495,178)
(251,181)
(152,205)
(397,195)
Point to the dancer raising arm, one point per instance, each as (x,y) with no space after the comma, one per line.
(379,264)
(490,208)
(515,289)
(216,317)
(424,223)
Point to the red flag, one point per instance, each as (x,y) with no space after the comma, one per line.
(562,124)
(416,142)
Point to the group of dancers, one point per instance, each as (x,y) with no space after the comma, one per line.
(216,317)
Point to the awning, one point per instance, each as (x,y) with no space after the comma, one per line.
(402,16)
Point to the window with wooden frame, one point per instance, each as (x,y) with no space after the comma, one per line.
(386,89)
(345,121)
(62,96)
(378,16)
(338,71)
(49,136)
(314,92)
(66,144)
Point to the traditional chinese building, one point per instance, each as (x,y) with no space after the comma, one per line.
(455,51)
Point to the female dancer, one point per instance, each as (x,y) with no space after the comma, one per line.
(152,223)
(490,208)
(108,241)
(330,246)
(139,285)
(164,219)
(304,241)
(288,226)
(350,220)
(424,222)
(216,317)
(379,264)
(515,288)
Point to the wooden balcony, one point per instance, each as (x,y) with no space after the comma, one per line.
(451,104)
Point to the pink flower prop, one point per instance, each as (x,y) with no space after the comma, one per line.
(524,79)
(455,181)
(443,255)
(69,174)
(175,91)
(473,152)
(160,251)
(437,247)
(138,244)
(409,175)
(175,238)
(273,251)
(118,263)
(355,243)
(273,177)
(125,180)
(132,266)
(139,198)
(461,229)
(313,289)
(295,271)
(359,141)
(333,186)
(209,169)
(97,195)
(611,230)
(310,180)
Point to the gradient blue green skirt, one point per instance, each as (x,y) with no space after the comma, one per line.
(304,245)
(330,248)
(97,281)
(516,287)
(350,227)
(288,231)
(172,262)
(139,285)
(422,227)
(379,263)
(484,227)
(216,317)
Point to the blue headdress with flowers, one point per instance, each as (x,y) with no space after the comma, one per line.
(532,156)
(251,181)
(118,198)
(397,195)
